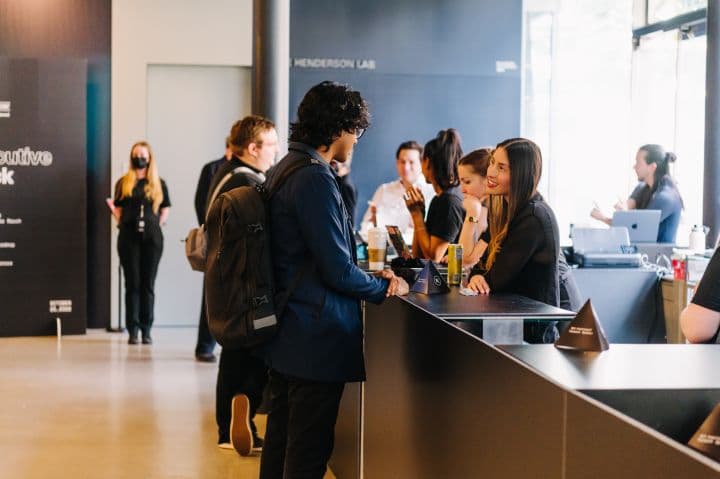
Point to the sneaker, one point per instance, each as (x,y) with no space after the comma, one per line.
(225,445)
(205,357)
(133,339)
(240,433)
(257,443)
(146,339)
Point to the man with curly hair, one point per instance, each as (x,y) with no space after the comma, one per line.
(318,347)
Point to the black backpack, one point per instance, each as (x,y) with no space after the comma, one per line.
(242,307)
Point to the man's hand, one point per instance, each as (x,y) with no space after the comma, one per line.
(597,214)
(403,288)
(397,286)
(478,284)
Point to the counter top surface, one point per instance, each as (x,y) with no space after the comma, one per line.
(491,306)
(626,366)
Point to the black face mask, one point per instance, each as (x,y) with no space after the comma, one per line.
(139,162)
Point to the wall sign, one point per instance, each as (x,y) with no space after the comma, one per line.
(334,63)
(42,196)
(421,69)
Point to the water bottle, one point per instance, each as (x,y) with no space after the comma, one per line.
(697,238)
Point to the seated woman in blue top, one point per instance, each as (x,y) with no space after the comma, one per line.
(523,250)
(445,214)
(656,191)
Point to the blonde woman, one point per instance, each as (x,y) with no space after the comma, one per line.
(142,205)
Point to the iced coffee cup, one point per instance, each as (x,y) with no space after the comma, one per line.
(377,243)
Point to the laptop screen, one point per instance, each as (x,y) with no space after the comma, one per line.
(642,225)
(599,240)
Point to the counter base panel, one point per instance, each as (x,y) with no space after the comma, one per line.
(438,403)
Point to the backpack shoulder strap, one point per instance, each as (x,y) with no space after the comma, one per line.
(226,178)
(276,182)
(259,177)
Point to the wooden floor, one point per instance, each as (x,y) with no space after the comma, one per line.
(94,407)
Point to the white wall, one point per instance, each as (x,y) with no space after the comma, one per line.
(171,32)
(197,104)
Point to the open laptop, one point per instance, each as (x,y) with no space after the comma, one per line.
(642,225)
(604,248)
(600,240)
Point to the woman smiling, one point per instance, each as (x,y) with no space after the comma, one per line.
(523,240)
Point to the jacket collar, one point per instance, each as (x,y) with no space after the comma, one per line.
(237,161)
(309,150)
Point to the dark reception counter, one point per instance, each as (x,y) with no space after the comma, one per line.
(441,402)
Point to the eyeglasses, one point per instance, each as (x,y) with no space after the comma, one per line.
(359,132)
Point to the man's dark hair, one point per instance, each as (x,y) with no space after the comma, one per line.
(328,109)
(657,154)
(409,145)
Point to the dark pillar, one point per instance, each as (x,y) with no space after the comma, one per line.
(711,182)
(271,58)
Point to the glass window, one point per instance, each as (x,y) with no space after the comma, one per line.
(661,10)
(537,94)
(591,100)
(669,108)
(583,125)
(690,131)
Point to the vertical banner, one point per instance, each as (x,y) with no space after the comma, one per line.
(42,196)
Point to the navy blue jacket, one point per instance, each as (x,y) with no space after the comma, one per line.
(203,187)
(320,335)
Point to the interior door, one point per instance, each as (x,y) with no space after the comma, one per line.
(190,112)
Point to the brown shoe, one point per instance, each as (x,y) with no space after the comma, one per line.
(240,433)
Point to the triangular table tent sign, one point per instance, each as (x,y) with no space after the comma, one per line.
(585,332)
(707,437)
(430,281)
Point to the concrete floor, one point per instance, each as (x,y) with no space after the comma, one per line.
(94,407)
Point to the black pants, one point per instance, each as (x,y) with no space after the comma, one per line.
(540,332)
(239,372)
(139,256)
(300,427)
(570,297)
(205,341)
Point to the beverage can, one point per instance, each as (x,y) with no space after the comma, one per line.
(678,266)
(455,263)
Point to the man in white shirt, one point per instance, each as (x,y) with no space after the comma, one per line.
(387,206)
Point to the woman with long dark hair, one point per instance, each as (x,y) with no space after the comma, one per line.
(657,191)
(523,241)
(141,207)
(446,213)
